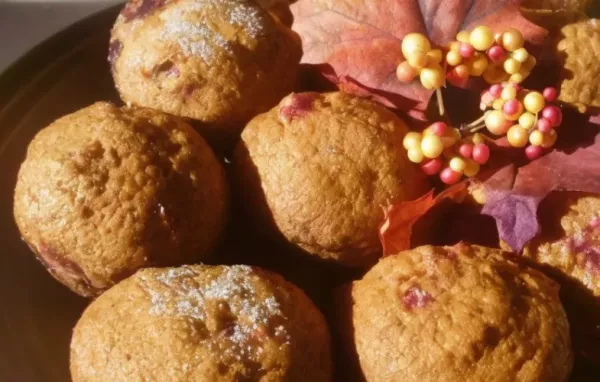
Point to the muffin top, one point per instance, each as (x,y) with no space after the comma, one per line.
(220,62)
(323,167)
(107,190)
(202,323)
(570,238)
(459,313)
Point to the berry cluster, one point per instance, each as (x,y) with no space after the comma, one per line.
(497,58)
(527,118)
(441,150)
(422,61)
(522,115)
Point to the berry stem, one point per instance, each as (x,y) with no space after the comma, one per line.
(440,101)
(476,122)
(472,128)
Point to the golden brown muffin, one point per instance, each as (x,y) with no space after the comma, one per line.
(569,243)
(462,313)
(202,323)
(321,168)
(105,191)
(220,62)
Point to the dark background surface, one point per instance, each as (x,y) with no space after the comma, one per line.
(24,24)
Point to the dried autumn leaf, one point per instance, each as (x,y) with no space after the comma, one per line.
(579,53)
(552,13)
(396,231)
(357,43)
(512,195)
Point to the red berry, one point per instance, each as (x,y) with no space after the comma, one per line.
(466,50)
(432,166)
(496,53)
(496,90)
(450,176)
(466,150)
(533,152)
(461,71)
(512,107)
(553,114)
(550,94)
(481,153)
(544,125)
(439,128)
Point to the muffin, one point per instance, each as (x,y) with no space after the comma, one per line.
(219,62)
(106,190)
(202,323)
(319,169)
(569,243)
(462,313)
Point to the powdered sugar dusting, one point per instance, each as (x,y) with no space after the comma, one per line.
(251,318)
(194,39)
(197,38)
(248,17)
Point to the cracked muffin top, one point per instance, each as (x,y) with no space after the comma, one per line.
(202,323)
(106,190)
(462,313)
(321,168)
(219,62)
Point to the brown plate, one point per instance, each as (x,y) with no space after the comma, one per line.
(63,74)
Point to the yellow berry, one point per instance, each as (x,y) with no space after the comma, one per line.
(415,155)
(516,78)
(512,39)
(415,43)
(454,46)
(471,168)
(451,137)
(405,72)
(536,138)
(549,139)
(411,140)
(498,38)
(477,139)
(482,38)
(434,57)
(508,93)
(478,66)
(521,55)
(432,146)
(464,36)
(534,102)
(432,78)
(512,66)
(495,122)
(495,75)
(455,133)
(457,164)
(428,131)
(417,60)
(498,104)
(453,58)
(527,120)
(517,136)
(529,64)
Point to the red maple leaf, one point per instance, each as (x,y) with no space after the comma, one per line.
(356,44)
(396,231)
(513,194)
